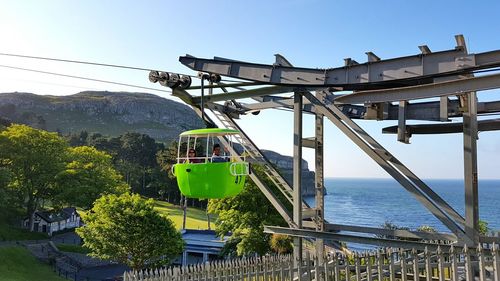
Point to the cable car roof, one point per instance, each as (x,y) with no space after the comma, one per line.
(211,132)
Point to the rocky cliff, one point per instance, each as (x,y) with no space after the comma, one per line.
(285,165)
(104,112)
(115,113)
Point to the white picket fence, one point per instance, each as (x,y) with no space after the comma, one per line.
(383,265)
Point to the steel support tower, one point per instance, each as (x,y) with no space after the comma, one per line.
(430,86)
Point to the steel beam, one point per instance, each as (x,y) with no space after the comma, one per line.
(396,72)
(297,172)
(453,87)
(408,70)
(390,232)
(450,128)
(276,102)
(429,111)
(306,233)
(403,135)
(470,169)
(225,85)
(319,183)
(244,94)
(309,142)
(443,108)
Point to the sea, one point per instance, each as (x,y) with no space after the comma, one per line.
(372,202)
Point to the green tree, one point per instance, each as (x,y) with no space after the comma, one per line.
(282,244)
(245,216)
(139,149)
(4,180)
(127,229)
(33,158)
(88,174)
(483,227)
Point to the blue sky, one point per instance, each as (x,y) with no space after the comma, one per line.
(153,34)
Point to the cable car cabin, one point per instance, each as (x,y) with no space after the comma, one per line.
(213,175)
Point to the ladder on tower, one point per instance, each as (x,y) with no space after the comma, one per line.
(257,156)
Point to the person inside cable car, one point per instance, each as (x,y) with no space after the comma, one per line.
(192,157)
(216,157)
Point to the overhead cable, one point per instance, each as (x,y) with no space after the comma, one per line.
(93,63)
(85,78)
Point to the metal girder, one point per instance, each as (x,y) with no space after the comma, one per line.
(391,232)
(426,196)
(351,76)
(309,142)
(297,172)
(489,240)
(244,94)
(443,108)
(450,128)
(376,74)
(470,169)
(453,87)
(317,144)
(319,183)
(488,107)
(403,135)
(276,102)
(225,85)
(306,233)
(432,111)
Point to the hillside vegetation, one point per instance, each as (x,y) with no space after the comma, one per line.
(19,265)
(108,113)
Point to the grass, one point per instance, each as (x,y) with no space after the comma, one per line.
(19,265)
(11,233)
(196,218)
(72,248)
(8,230)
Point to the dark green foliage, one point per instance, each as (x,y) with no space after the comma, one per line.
(127,229)
(38,166)
(483,227)
(138,158)
(33,159)
(140,149)
(88,175)
(281,244)
(245,216)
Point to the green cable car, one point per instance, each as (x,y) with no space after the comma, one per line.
(212,175)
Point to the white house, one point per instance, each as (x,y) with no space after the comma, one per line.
(52,221)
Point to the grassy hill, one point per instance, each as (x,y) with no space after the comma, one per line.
(9,218)
(17,264)
(196,218)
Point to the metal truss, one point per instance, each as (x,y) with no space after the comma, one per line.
(389,89)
